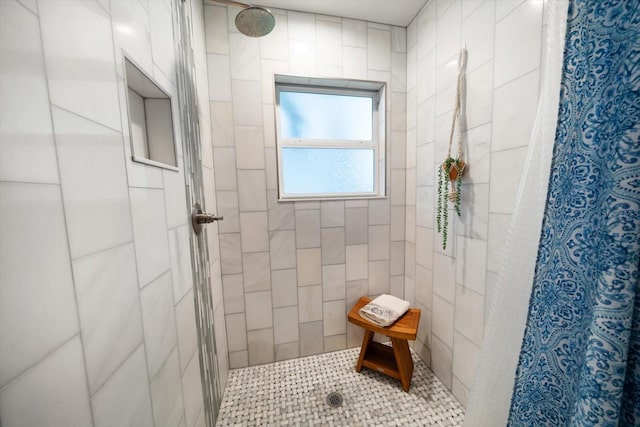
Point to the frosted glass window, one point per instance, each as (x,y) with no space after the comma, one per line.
(324,116)
(328,170)
(330,138)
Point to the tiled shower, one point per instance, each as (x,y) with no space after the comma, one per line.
(97,323)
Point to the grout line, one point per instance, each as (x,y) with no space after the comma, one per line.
(65,218)
(133,243)
(25,371)
(74,113)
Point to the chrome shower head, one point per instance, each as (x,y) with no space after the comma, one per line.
(252,21)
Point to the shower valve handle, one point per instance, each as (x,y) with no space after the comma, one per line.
(199,217)
(205,218)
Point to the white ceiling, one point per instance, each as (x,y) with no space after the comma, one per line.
(393,12)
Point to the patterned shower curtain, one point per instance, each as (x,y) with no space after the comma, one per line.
(580,358)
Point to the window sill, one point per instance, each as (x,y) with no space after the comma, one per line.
(329,198)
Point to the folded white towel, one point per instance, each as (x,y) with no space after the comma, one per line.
(384,310)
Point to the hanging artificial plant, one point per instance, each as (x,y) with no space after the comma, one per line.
(451,170)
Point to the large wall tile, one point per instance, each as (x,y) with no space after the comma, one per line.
(255,234)
(230,253)
(251,191)
(192,392)
(354,33)
(514,109)
(479,96)
(283,249)
(158,320)
(378,49)
(186,330)
(27,151)
(478,30)
(448,37)
(443,320)
(424,286)
(518,42)
(329,42)
(259,310)
(471,265)
(131,34)
(302,26)
(378,277)
(357,262)
(309,303)
(227,204)
(261,347)
(333,246)
(219,68)
(161,38)
(245,57)
(275,45)
(378,242)
(216,30)
(356,226)
(442,361)
(285,321)
(284,287)
(465,359)
(256,271)
(233,290)
(94,186)
(335,323)
(249,147)
(469,314)
(109,308)
(247,103)
(166,393)
(505,178)
(79,53)
(309,267)
(311,339)
(333,282)
(151,236)
(178,213)
(124,399)
(180,252)
(53,393)
(286,351)
(236,332)
(37,303)
(307,228)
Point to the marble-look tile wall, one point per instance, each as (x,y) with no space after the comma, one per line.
(452,287)
(97,322)
(292,270)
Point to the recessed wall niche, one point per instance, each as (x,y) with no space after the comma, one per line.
(150,119)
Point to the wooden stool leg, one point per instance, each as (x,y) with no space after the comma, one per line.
(404,361)
(368,337)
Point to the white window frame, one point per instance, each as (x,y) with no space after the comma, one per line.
(375,91)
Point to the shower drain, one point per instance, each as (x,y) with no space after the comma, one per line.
(334,399)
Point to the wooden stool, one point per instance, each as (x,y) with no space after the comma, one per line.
(393,361)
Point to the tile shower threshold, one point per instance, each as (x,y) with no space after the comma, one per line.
(294,392)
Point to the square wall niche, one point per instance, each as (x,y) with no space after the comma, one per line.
(150,120)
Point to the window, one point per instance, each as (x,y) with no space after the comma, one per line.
(330,138)
(150,120)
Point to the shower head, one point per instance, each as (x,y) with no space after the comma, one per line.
(255,21)
(252,21)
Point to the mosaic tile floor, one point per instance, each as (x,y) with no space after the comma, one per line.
(293,392)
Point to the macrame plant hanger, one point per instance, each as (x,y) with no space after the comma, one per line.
(452,168)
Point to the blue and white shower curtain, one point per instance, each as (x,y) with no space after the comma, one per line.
(580,358)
